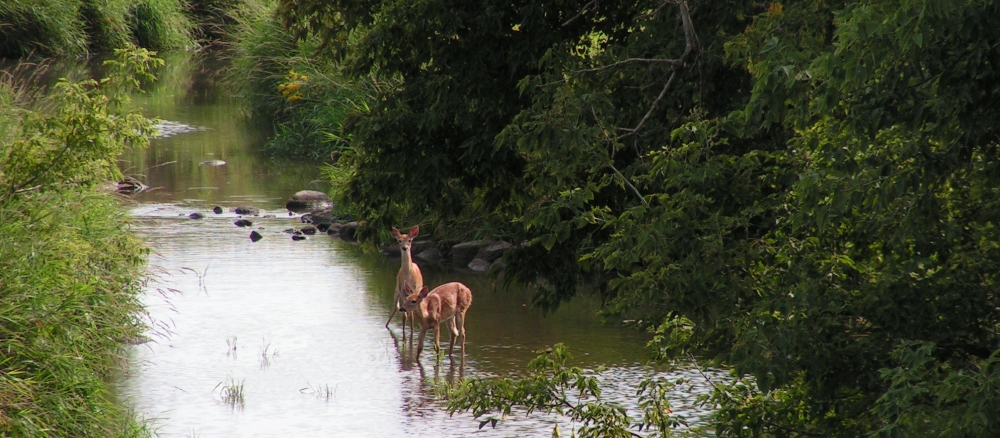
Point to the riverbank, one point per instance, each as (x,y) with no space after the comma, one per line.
(72,270)
(71,280)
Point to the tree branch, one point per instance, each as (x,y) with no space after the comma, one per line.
(674,63)
(691,47)
(580,14)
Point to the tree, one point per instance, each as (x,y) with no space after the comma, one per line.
(803,191)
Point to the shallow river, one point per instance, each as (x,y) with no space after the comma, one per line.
(297,327)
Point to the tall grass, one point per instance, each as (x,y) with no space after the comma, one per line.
(306,99)
(41,27)
(74,28)
(68,299)
(70,271)
(159,24)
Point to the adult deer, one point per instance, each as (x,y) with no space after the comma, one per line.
(409,273)
(446,303)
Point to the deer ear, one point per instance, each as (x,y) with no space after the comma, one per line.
(423,292)
(395,232)
(407,288)
(414,231)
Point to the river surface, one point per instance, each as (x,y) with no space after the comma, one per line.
(287,337)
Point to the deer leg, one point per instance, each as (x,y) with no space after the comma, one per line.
(420,344)
(394,309)
(460,331)
(452,335)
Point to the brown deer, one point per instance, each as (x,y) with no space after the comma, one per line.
(409,274)
(446,303)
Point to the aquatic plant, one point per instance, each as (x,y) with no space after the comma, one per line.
(231,392)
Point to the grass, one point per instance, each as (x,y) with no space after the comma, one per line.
(77,28)
(70,299)
(231,393)
(305,98)
(71,272)
(267,355)
(41,27)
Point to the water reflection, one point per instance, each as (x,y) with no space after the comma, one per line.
(300,325)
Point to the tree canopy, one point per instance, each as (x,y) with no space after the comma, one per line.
(805,191)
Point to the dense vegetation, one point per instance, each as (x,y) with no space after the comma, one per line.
(76,28)
(805,191)
(71,270)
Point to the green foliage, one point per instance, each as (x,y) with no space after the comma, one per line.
(159,24)
(77,145)
(57,28)
(553,387)
(43,27)
(307,100)
(106,24)
(800,191)
(71,277)
(216,19)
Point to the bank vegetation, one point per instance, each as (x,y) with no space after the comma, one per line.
(71,271)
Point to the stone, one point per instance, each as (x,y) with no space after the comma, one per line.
(196,215)
(309,200)
(430,255)
(309,229)
(217,210)
(243,223)
(463,253)
(479,265)
(255,236)
(493,251)
(348,232)
(249,211)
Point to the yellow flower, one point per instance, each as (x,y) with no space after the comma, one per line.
(281,87)
(285,93)
(304,78)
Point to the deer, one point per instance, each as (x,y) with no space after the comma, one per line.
(409,273)
(446,303)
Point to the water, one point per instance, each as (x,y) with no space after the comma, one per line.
(299,326)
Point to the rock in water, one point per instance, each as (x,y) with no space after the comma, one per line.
(255,236)
(309,200)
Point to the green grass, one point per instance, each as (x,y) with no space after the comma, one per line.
(159,24)
(231,393)
(41,27)
(76,28)
(69,300)
(308,119)
(71,272)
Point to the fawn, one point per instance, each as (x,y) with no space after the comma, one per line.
(446,303)
(409,273)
